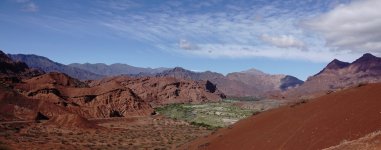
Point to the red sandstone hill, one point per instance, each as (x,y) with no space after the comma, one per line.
(166,90)
(77,97)
(116,96)
(16,107)
(61,98)
(340,75)
(320,123)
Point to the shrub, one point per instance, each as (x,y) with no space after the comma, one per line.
(201,124)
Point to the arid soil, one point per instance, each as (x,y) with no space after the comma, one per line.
(371,141)
(154,132)
(320,123)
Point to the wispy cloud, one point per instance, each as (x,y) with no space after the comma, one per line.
(283,41)
(28,5)
(215,29)
(238,30)
(354,26)
(186,45)
(120,5)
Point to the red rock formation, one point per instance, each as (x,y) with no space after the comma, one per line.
(16,107)
(110,97)
(165,90)
(91,102)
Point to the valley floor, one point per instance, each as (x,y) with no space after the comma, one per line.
(153,132)
(175,125)
(219,114)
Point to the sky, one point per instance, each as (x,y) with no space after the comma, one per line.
(294,37)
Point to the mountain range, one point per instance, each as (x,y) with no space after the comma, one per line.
(47,65)
(343,90)
(27,94)
(249,83)
(116,69)
(339,75)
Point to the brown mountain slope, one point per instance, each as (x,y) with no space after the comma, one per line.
(265,82)
(340,75)
(11,70)
(16,107)
(116,69)
(116,96)
(101,101)
(47,65)
(165,90)
(58,91)
(69,102)
(320,123)
(238,84)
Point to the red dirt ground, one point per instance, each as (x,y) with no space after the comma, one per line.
(320,123)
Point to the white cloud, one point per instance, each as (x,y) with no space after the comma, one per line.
(283,41)
(27,5)
(186,45)
(176,32)
(354,26)
(21,1)
(250,51)
(121,5)
(30,7)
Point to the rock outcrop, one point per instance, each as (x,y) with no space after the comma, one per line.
(166,90)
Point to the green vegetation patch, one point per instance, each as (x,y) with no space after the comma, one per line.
(209,115)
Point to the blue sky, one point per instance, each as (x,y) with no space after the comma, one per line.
(276,36)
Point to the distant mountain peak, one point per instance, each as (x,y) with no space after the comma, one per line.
(117,69)
(179,69)
(10,67)
(47,65)
(254,71)
(368,55)
(4,57)
(337,64)
(366,58)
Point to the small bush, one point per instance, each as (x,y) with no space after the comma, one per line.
(256,113)
(303,101)
(201,124)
